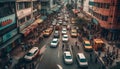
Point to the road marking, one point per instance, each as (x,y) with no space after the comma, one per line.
(59,66)
(41,58)
(42,50)
(58,54)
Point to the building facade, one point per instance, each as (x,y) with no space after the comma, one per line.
(106,14)
(9,37)
(16,20)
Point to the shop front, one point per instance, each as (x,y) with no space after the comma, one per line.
(9,41)
(31,27)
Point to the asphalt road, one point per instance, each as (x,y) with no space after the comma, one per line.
(52,58)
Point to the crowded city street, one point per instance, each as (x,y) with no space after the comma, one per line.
(58,34)
(53,57)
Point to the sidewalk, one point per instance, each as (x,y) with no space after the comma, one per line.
(17,53)
(110,50)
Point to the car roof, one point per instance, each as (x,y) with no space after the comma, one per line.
(55,39)
(56,31)
(81,55)
(33,49)
(87,42)
(65,35)
(67,53)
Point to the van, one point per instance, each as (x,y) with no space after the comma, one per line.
(82,60)
(47,32)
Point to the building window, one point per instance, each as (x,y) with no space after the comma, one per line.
(118,19)
(21,5)
(107,5)
(6,9)
(21,21)
(105,18)
(118,6)
(27,4)
(28,17)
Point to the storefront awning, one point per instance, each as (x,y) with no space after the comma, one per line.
(10,41)
(43,17)
(31,27)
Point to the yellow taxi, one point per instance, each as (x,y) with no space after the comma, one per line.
(87,45)
(74,33)
(47,32)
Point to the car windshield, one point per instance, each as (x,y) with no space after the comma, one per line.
(54,41)
(68,57)
(82,60)
(29,54)
(87,44)
(65,37)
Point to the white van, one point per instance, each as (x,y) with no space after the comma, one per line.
(82,60)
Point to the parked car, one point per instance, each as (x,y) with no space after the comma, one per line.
(32,54)
(68,58)
(82,60)
(65,38)
(54,42)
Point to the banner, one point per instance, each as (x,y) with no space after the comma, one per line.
(7,21)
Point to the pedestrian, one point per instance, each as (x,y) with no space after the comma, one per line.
(72,47)
(96,60)
(76,43)
(99,53)
(63,46)
(90,56)
(33,65)
(8,56)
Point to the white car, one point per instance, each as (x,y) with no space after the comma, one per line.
(82,60)
(68,59)
(65,38)
(60,21)
(32,53)
(54,42)
(64,23)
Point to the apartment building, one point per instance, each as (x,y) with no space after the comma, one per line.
(106,14)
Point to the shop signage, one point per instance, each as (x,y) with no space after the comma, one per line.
(24,12)
(7,21)
(9,35)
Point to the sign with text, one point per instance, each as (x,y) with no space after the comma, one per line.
(24,12)
(7,21)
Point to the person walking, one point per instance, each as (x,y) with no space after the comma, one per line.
(90,56)
(76,43)
(63,46)
(96,60)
